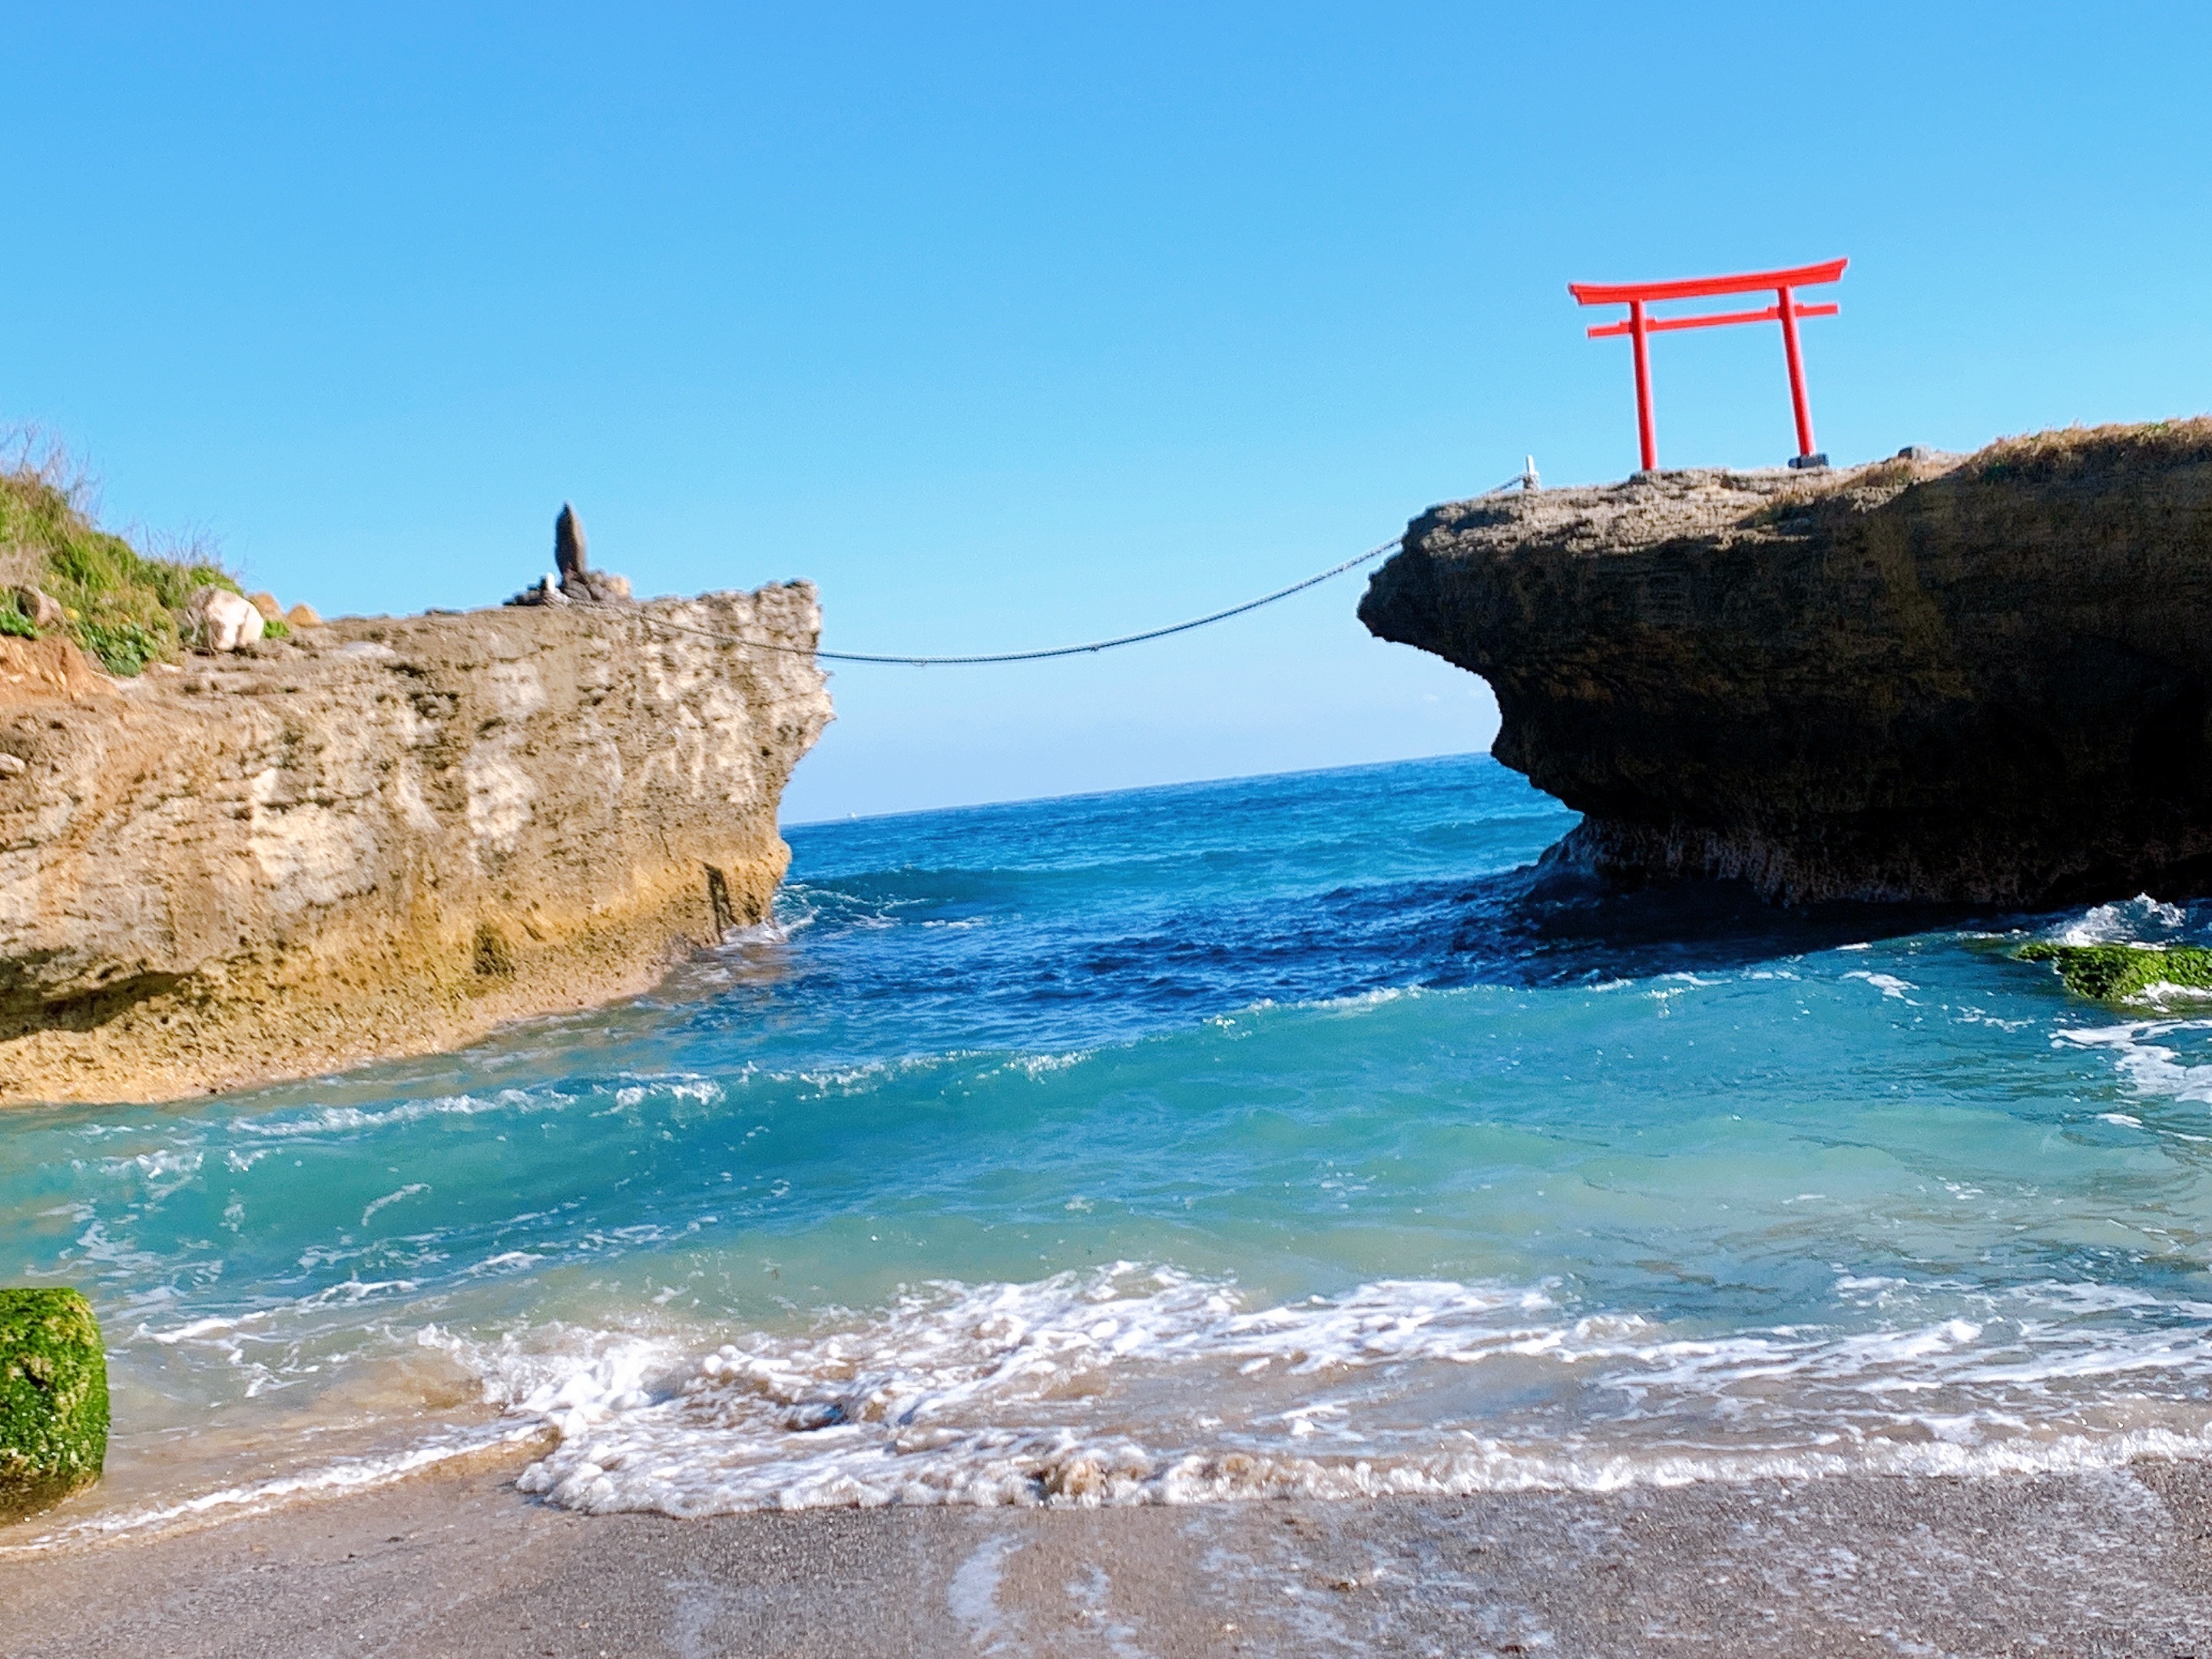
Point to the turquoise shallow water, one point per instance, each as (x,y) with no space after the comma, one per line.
(1281,1134)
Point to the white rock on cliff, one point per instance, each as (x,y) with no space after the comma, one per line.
(217,619)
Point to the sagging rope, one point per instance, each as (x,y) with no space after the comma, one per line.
(1371,554)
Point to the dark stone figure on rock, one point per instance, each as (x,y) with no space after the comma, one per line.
(571,581)
(568,545)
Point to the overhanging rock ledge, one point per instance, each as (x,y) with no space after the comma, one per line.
(1982,680)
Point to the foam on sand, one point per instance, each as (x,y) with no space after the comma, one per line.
(1138,1385)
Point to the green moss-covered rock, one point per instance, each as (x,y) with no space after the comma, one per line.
(2115,973)
(53,1399)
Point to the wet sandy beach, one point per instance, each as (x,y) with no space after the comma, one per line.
(2111,1563)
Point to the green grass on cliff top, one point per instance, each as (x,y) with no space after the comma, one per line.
(123,606)
(2120,972)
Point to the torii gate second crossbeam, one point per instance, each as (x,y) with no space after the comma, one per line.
(1786,311)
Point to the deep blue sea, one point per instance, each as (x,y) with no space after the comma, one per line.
(1289,1134)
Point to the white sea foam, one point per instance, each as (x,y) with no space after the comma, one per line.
(2163,992)
(1144,1385)
(2151,1065)
(341,1121)
(160,1168)
(1035,1066)
(505,1261)
(190,1332)
(1375,999)
(871,1075)
(2140,919)
(412,1189)
(1888,984)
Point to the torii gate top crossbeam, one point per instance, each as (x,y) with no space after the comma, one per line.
(1699,287)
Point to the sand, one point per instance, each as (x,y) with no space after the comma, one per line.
(2110,1563)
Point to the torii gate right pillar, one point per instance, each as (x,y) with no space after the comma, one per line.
(1799,404)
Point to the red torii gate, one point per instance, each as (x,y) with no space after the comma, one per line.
(1786,310)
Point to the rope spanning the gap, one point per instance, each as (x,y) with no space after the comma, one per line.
(1371,554)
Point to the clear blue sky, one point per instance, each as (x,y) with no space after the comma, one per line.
(1009,326)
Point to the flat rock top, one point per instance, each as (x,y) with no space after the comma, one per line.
(1721,504)
(352,647)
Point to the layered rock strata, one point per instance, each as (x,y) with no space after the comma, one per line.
(384,836)
(1985,680)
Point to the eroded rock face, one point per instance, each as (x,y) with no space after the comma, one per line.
(1984,680)
(385,837)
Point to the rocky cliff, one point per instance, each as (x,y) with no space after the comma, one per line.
(1985,680)
(382,836)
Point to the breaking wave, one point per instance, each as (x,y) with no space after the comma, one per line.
(1141,1385)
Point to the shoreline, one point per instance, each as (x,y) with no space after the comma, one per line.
(458,1562)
